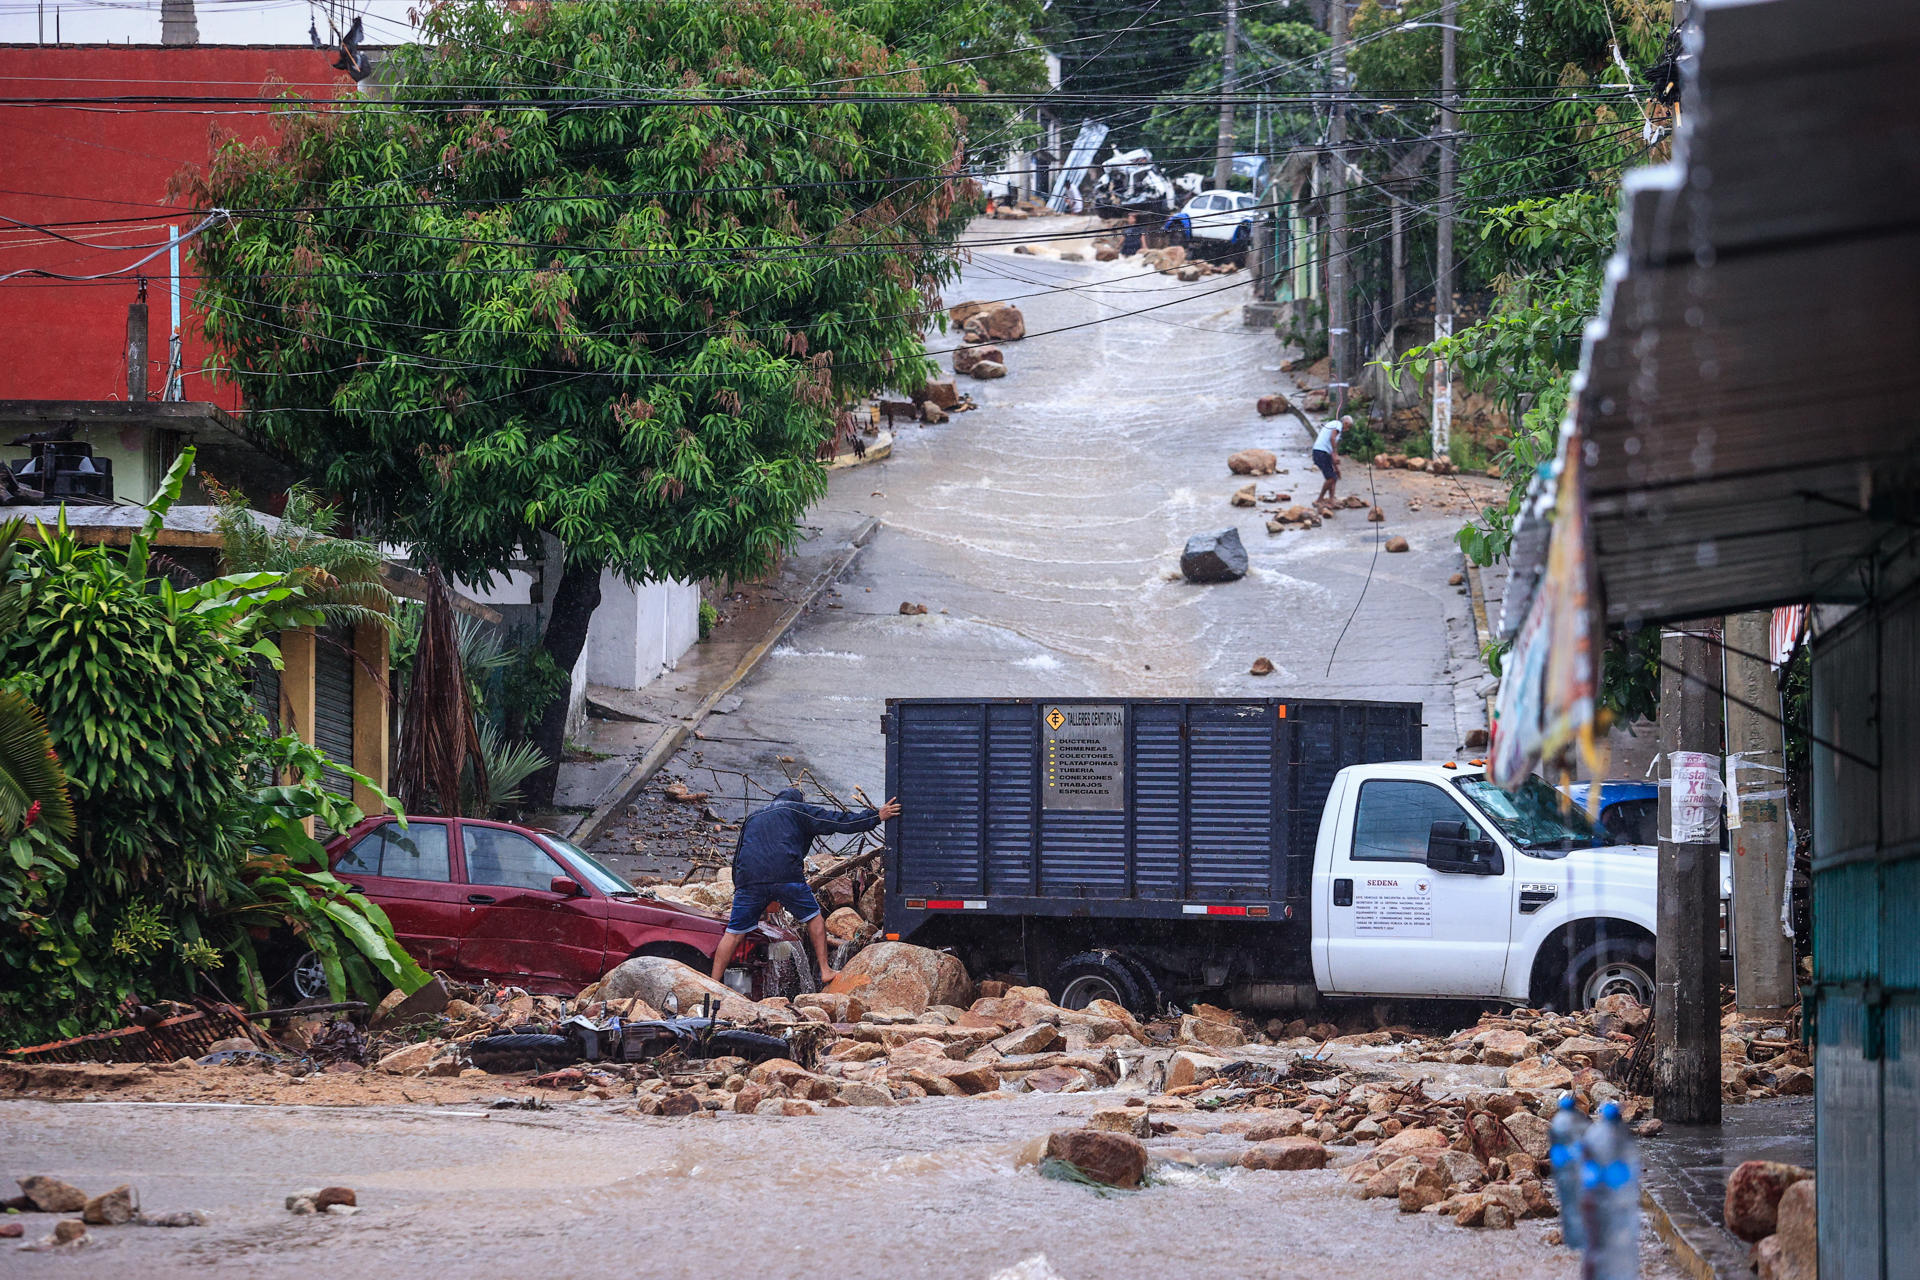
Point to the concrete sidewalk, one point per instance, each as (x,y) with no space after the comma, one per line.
(1685,1178)
(632,732)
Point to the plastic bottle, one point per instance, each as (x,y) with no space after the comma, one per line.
(1610,1199)
(1568,1124)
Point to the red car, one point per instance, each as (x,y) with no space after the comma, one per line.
(491,901)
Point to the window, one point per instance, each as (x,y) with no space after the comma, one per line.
(1632,822)
(505,858)
(418,853)
(1395,818)
(1243,202)
(1202,204)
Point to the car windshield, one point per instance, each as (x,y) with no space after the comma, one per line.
(602,878)
(1537,818)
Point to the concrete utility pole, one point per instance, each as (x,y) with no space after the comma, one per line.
(1763,978)
(1223,145)
(1339,327)
(1686,1004)
(1443,268)
(138,340)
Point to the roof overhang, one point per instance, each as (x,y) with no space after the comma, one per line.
(1749,399)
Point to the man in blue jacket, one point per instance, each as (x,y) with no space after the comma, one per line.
(770,865)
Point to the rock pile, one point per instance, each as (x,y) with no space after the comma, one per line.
(41,1194)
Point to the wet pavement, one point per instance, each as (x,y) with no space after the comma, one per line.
(931,1189)
(1687,1167)
(1043,533)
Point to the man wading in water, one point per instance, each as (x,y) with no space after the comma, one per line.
(770,866)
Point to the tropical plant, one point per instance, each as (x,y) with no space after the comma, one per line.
(340,576)
(175,785)
(590,303)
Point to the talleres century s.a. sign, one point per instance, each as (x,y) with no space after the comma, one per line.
(1085,750)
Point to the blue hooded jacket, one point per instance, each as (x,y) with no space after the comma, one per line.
(774,842)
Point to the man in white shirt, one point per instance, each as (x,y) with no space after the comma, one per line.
(1326,454)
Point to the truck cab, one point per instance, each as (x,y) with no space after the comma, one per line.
(1429,880)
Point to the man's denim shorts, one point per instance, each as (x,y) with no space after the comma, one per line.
(750,903)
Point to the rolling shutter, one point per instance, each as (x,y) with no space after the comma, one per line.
(333,703)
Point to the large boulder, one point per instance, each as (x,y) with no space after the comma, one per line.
(1116,1159)
(1753,1196)
(944,394)
(1296,1152)
(899,975)
(989,369)
(654,978)
(1000,322)
(1792,1252)
(1272,405)
(1253,462)
(965,358)
(1214,557)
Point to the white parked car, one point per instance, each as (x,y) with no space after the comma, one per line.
(1218,215)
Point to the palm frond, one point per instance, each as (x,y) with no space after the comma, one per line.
(508,765)
(30,772)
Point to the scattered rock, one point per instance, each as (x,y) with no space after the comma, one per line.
(330,1196)
(933,413)
(426,1002)
(1243,496)
(51,1195)
(1409,1141)
(110,1208)
(857,1093)
(998,322)
(1375,515)
(1753,1196)
(177,1218)
(69,1231)
(1272,406)
(989,369)
(965,358)
(1115,1159)
(1529,1133)
(1539,1075)
(944,394)
(1794,1251)
(1396,543)
(1217,1035)
(1253,462)
(1129,1120)
(908,609)
(1294,518)
(11,1231)
(1214,557)
(1106,253)
(1456,579)
(1261,667)
(1188,273)
(848,925)
(1298,1152)
(899,975)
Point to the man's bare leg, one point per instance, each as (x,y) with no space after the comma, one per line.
(723,954)
(817,934)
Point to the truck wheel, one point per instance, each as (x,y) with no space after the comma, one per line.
(1153,1001)
(1098,975)
(1611,967)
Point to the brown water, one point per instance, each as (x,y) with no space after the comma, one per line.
(926,1190)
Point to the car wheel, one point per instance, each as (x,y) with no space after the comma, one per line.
(307,977)
(1611,967)
(503,1054)
(1097,975)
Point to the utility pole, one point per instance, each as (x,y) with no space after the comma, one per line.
(137,344)
(1686,1003)
(1223,145)
(1339,328)
(1763,978)
(1442,432)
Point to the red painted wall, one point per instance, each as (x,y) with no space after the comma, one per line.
(67,341)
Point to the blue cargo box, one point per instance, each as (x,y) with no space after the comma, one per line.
(1132,807)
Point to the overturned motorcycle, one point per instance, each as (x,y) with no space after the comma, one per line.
(610,1039)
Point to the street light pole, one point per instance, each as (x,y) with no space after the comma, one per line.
(1223,145)
(1443,275)
(1338,326)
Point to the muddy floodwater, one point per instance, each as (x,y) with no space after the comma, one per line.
(931,1189)
(1043,534)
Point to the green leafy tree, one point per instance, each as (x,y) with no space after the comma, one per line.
(629,326)
(1278,59)
(186,833)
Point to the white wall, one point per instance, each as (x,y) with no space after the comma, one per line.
(639,632)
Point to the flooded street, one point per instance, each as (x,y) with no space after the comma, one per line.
(1043,534)
(923,1190)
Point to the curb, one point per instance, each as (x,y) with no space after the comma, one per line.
(1691,1260)
(670,743)
(1482,631)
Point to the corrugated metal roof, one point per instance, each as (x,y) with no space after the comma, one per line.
(1750,395)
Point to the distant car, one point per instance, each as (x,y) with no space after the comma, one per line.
(1218,215)
(490,901)
(1629,811)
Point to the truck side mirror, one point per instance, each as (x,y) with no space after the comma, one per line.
(1451,851)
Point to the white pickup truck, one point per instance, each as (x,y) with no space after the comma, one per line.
(1266,852)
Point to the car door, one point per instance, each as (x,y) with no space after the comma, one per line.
(522,931)
(1394,927)
(409,875)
